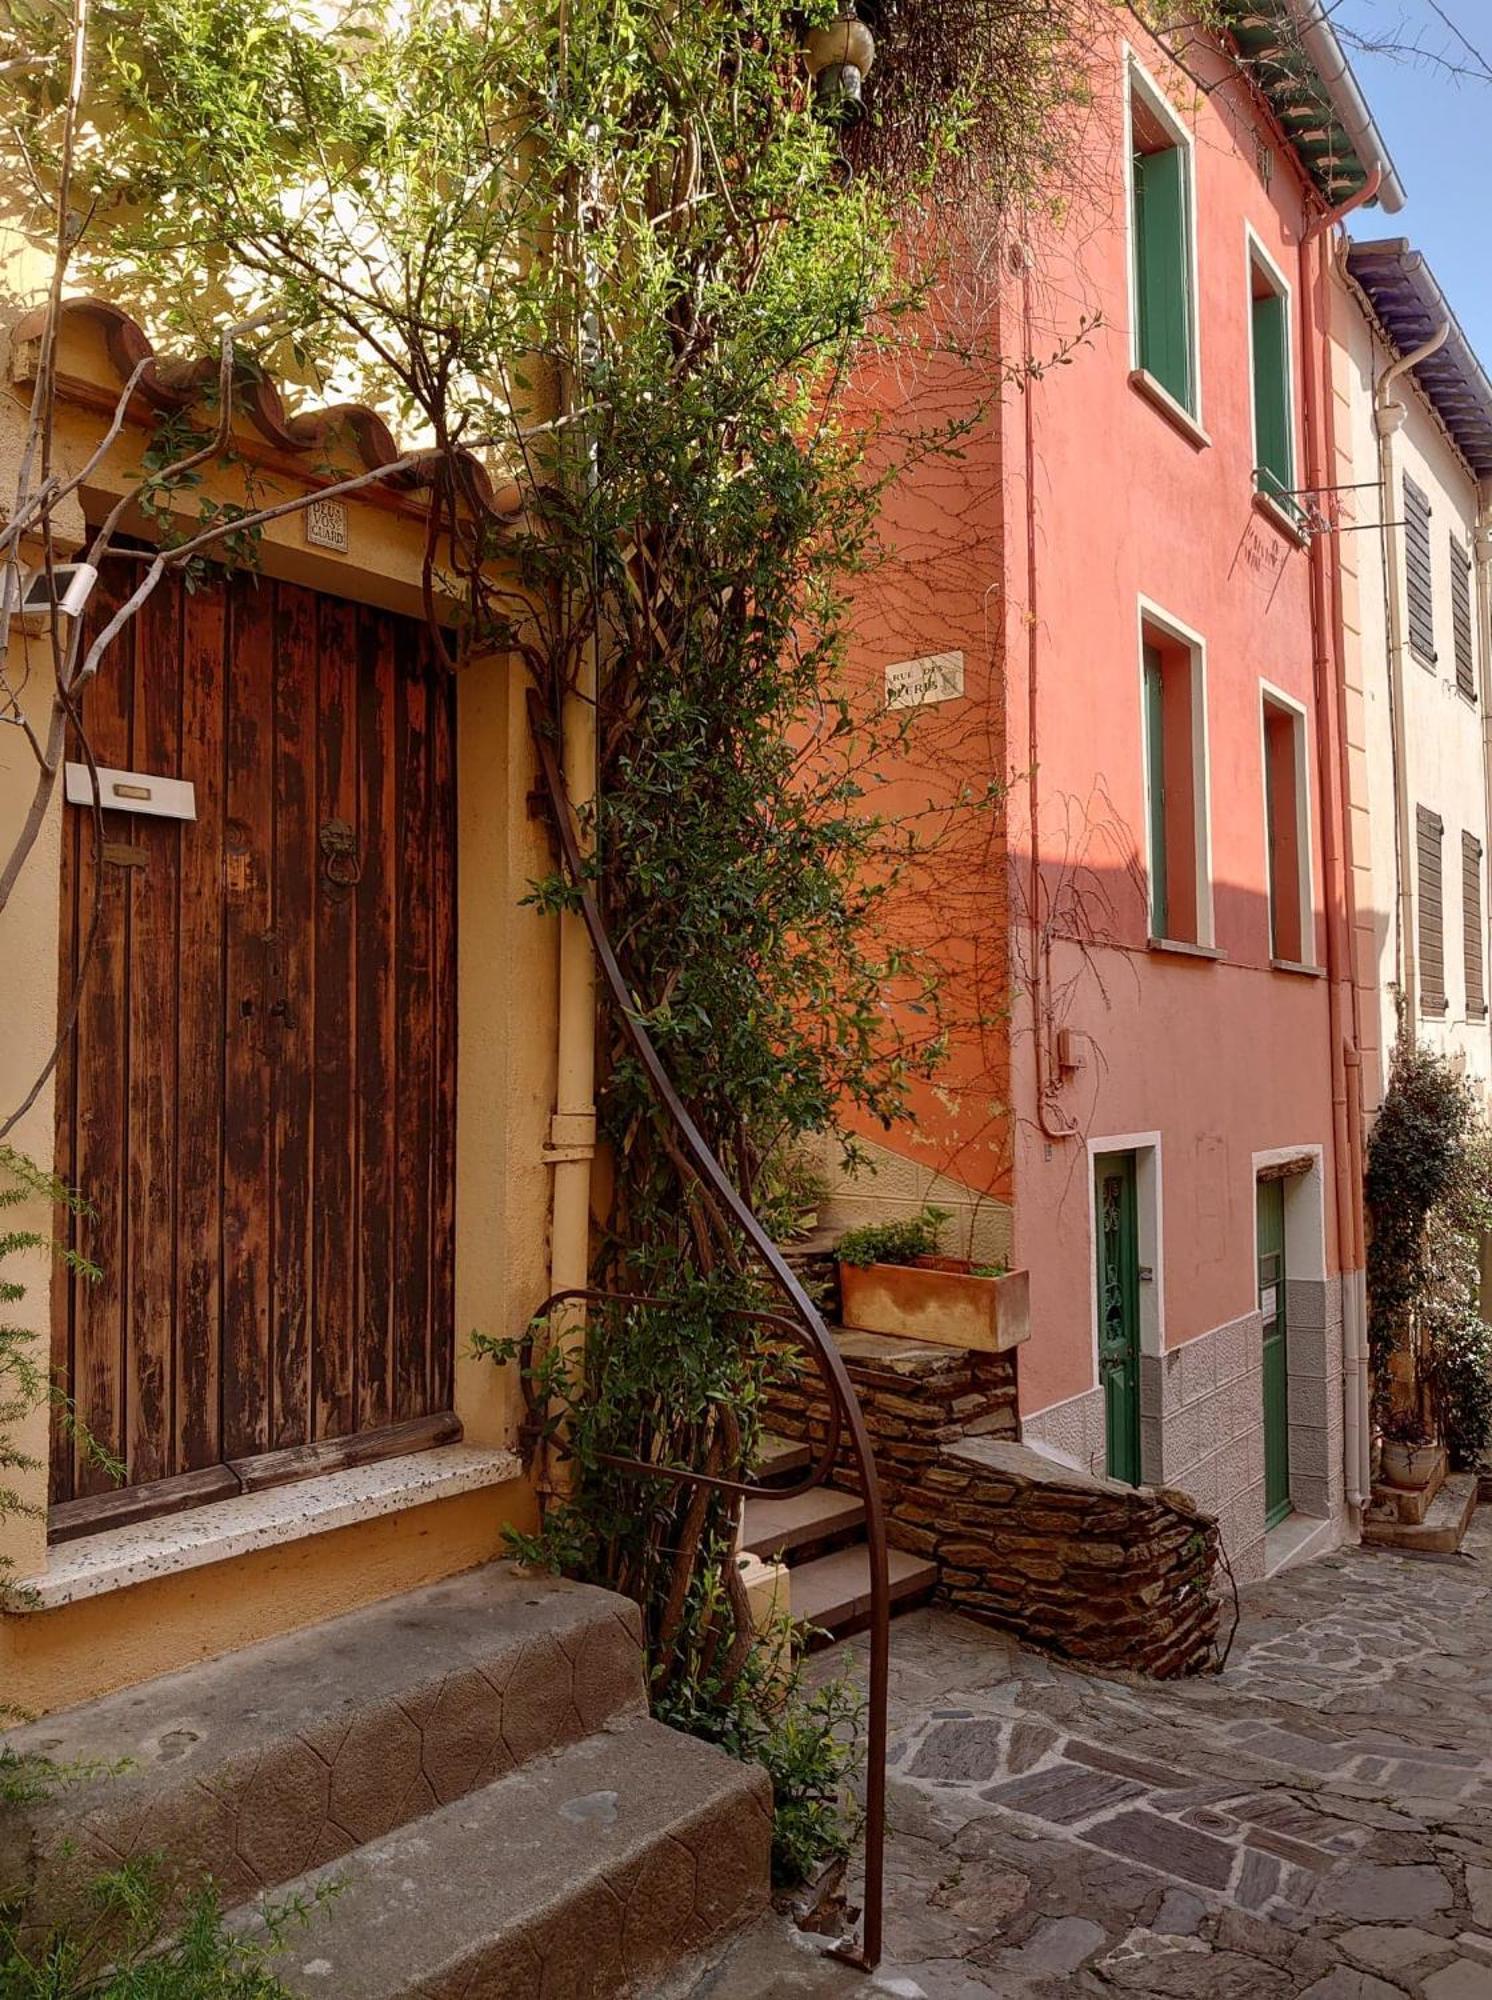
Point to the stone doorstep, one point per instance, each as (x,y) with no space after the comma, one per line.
(582,1877)
(1410,1504)
(1443,1528)
(271,1760)
(274,1518)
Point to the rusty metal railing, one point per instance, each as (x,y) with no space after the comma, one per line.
(806,1327)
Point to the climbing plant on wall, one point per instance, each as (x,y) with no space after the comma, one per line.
(610,253)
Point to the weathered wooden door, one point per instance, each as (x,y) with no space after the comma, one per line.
(1118,1280)
(258,1097)
(1276,1371)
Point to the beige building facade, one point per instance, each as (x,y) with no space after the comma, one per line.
(1413,410)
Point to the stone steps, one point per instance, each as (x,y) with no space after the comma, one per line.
(487,1731)
(780,1528)
(584,1876)
(832,1593)
(820,1536)
(1443,1528)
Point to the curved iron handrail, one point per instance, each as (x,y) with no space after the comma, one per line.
(844,1404)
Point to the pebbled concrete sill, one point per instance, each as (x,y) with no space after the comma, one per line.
(119,1557)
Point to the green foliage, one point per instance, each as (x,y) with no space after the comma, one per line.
(805,1736)
(612,245)
(894,1242)
(1429,1194)
(25,1379)
(136,1941)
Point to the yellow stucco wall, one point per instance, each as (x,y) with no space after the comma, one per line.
(50,1659)
(505,1092)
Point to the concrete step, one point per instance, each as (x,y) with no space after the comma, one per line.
(778,1458)
(779,1528)
(833,1593)
(583,1876)
(270,1761)
(1443,1528)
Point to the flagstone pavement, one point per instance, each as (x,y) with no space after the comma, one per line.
(1314,1824)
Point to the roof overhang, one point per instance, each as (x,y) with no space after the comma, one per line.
(1410,305)
(1297,61)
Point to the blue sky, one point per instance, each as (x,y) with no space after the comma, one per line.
(1439,130)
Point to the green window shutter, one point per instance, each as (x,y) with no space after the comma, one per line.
(1273,455)
(1163,270)
(1461,620)
(1418,575)
(1429,829)
(1155,780)
(1471,926)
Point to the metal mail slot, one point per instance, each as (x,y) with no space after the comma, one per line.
(132,791)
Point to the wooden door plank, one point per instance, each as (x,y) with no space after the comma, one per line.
(443,977)
(413,1041)
(311,1461)
(102,1058)
(68,1227)
(290,1005)
(334,1087)
(375,1022)
(154,972)
(200,1046)
(248,849)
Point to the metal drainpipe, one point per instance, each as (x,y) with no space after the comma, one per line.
(1343,1024)
(1040,1025)
(572,1129)
(1482,553)
(1388,416)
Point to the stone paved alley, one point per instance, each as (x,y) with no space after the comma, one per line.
(1317,1822)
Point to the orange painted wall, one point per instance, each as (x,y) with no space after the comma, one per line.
(1223,1057)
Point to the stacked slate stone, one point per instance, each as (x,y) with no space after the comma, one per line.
(1108,1575)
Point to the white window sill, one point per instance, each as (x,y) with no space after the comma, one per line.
(1183,949)
(1297,966)
(1160,397)
(118,1557)
(1281,518)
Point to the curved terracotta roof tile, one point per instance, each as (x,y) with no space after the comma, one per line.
(169,385)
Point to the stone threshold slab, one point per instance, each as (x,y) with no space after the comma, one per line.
(119,1557)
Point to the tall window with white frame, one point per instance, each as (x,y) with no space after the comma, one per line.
(1287,831)
(1273,382)
(1162,247)
(1429,832)
(1175,787)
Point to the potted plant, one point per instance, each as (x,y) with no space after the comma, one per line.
(1410,1453)
(893,1279)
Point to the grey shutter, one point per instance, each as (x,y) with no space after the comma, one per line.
(1461,617)
(1417,572)
(1429,829)
(1471,925)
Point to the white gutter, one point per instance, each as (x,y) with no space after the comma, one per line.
(1318,40)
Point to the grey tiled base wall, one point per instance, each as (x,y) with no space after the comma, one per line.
(1202,1420)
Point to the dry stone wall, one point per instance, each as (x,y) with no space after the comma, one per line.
(1110,1575)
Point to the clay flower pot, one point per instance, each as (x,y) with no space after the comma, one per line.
(1408,1466)
(937,1299)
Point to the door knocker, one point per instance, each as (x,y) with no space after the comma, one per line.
(341,866)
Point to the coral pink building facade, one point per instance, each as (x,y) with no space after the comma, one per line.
(1179,1161)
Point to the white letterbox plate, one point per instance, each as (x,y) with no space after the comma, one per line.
(133,792)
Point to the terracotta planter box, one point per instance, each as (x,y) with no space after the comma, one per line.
(938,1300)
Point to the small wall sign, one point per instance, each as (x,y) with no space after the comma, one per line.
(912,683)
(326,525)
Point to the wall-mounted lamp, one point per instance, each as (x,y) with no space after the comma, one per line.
(840,56)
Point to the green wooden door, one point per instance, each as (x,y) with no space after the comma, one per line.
(1276,1372)
(1118,1281)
